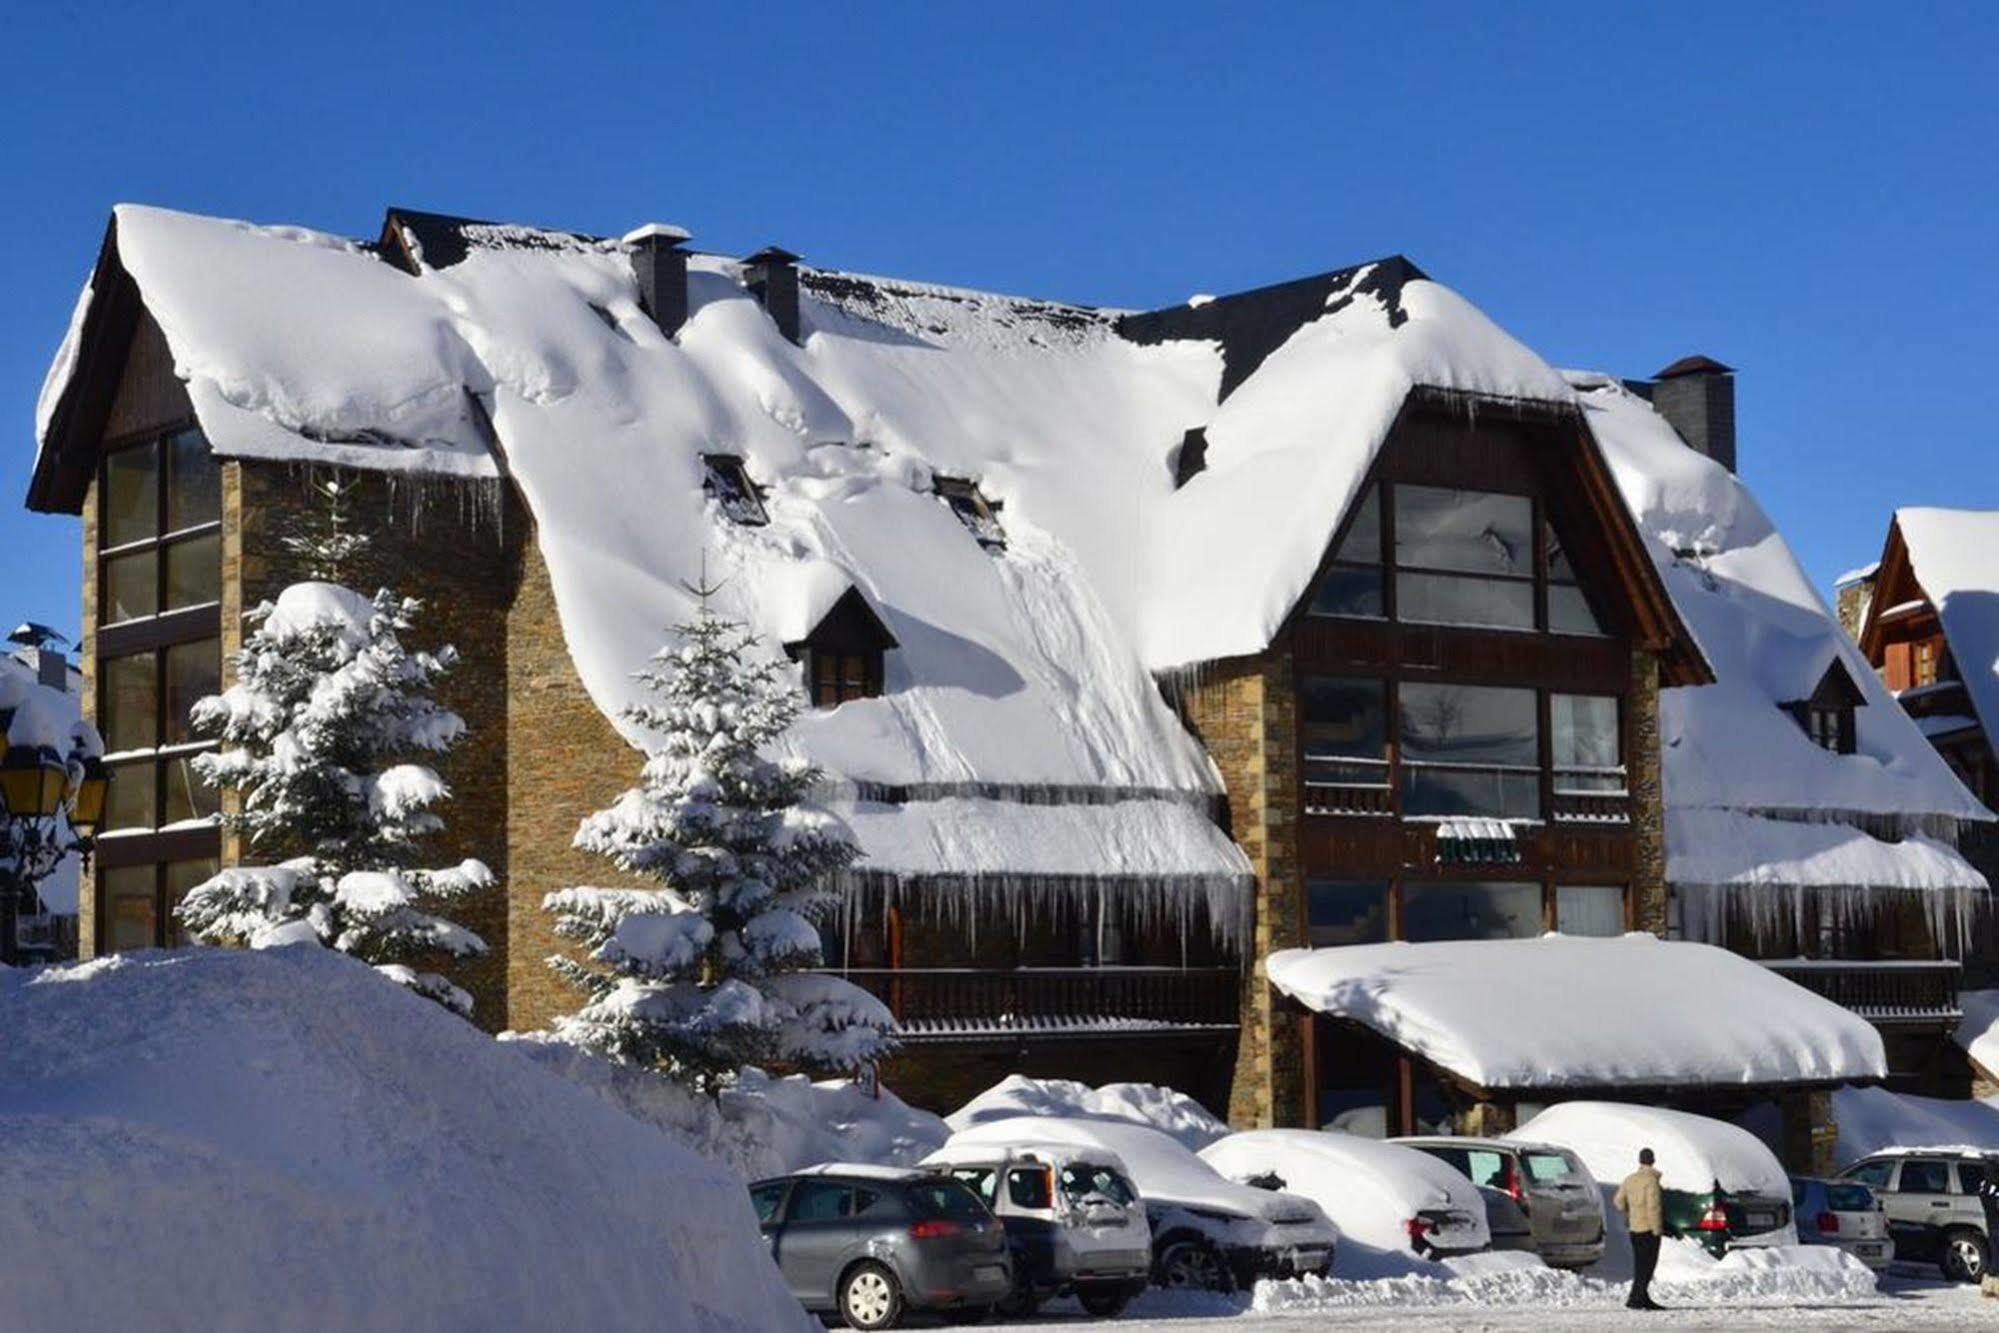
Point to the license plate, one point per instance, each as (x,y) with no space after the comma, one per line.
(989,1272)
(1760,1221)
(1872,1249)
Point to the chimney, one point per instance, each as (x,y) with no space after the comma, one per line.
(41,648)
(1696,394)
(660,267)
(771,274)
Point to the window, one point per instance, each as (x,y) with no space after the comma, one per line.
(1551,1168)
(1485,1167)
(1029,1187)
(1922,1176)
(160,528)
(1822,725)
(1970,1177)
(728,483)
(1470,750)
(1346,911)
(979,515)
(1351,585)
(1082,1180)
(143,704)
(766,1200)
(1568,606)
(1589,909)
(839,677)
(1470,911)
(980,1180)
(1587,743)
(1345,738)
(1873,1173)
(940,1198)
(1926,662)
(821,1201)
(1464,557)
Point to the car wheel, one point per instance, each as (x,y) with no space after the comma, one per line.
(1189,1263)
(1963,1255)
(871,1298)
(1106,1301)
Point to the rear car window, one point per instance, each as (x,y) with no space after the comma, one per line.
(1549,1168)
(1924,1177)
(821,1201)
(1080,1182)
(945,1198)
(1485,1167)
(1451,1157)
(766,1198)
(1028,1187)
(1849,1198)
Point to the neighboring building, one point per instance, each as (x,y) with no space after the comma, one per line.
(1141,645)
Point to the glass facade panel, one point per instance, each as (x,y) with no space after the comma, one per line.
(1473,532)
(131,587)
(1589,909)
(186,795)
(1469,724)
(1443,599)
(129,803)
(1569,611)
(1346,912)
(194,571)
(131,907)
(194,671)
(1559,565)
(1349,592)
(1489,793)
(1345,717)
(1441,911)
(131,496)
(194,482)
(126,703)
(180,877)
(1362,545)
(1587,742)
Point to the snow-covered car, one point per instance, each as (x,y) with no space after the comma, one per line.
(1557,1201)
(1844,1214)
(1380,1195)
(1722,1187)
(1073,1220)
(1207,1231)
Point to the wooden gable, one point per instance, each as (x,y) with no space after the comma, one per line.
(850,625)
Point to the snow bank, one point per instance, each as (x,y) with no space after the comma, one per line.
(222,1139)
(1694,1151)
(1779,1276)
(1954,554)
(1978,1033)
(763,1126)
(1563,1012)
(1172,1113)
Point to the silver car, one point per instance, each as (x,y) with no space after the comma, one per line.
(1842,1213)
(871,1243)
(1930,1195)
(1550,1185)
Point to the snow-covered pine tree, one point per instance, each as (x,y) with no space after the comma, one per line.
(326,705)
(709,971)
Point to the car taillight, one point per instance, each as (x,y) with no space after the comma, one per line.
(1828,1223)
(1513,1184)
(1419,1231)
(935,1228)
(1714,1219)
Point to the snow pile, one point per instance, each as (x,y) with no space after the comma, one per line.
(760,1126)
(1560,1012)
(1778,1276)
(1695,1152)
(1954,554)
(1171,1112)
(279,1140)
(1978,1034)
(1871,1119)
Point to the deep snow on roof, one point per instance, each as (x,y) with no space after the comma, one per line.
(1954,554)
(1635,1011)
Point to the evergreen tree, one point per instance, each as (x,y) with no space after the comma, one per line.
(709,970)
(327,700)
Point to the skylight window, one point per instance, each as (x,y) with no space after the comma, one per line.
(730,485)
(979,515)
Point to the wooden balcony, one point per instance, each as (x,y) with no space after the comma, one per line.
(1885,993)
(971,1004)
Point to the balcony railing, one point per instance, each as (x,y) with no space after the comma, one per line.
(1882,992)
(960,1004)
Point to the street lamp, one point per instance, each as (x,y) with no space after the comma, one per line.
(36,784)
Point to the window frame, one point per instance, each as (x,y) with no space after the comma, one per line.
(163,538)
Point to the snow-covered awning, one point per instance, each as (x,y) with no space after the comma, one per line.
(1565,1013)
(1462,841)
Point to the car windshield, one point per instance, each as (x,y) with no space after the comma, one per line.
(1845,1197)
(945,1198)
(1081,1180)
(1549,1168)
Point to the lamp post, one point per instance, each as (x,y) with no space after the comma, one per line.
(37,785)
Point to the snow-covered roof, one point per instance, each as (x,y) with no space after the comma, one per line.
(1954,554)
(1770,639)
(1635,1011)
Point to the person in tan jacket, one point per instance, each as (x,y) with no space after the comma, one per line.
(1643,1204)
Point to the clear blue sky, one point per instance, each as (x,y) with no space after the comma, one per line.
(1805,192)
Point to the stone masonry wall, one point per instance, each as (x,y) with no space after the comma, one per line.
(1648,880)
(1245,713)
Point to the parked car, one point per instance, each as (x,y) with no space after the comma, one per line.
(1930,1196)
(1206,1231)
(1379,1194)
(1842,1213)
(1722,1186)
(871,1243)
(1549,1185)
(1072,1216)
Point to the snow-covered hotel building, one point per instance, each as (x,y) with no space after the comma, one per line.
(1142,645)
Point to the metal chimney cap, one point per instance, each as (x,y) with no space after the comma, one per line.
(658,231)
(33,634)
(775,255)
(1694,365)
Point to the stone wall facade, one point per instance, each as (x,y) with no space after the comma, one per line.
(1245,712)
(1645,773)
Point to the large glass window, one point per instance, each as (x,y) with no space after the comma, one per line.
(131,907)
(143,703)
(1587,743)
(1589,909)
(1470,911)
(1351,586)
(1346,911)
(160,526)
(1470,750)
(1345,734)
(1569,610)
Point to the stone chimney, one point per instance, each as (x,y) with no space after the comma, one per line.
(771,274)
(660,267)
(1697,395)
(41,649)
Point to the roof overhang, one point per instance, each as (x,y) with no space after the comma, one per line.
(68,455)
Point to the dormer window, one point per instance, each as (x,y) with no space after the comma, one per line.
(843,655)
(979,515)
(1826,715)
(728,482)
